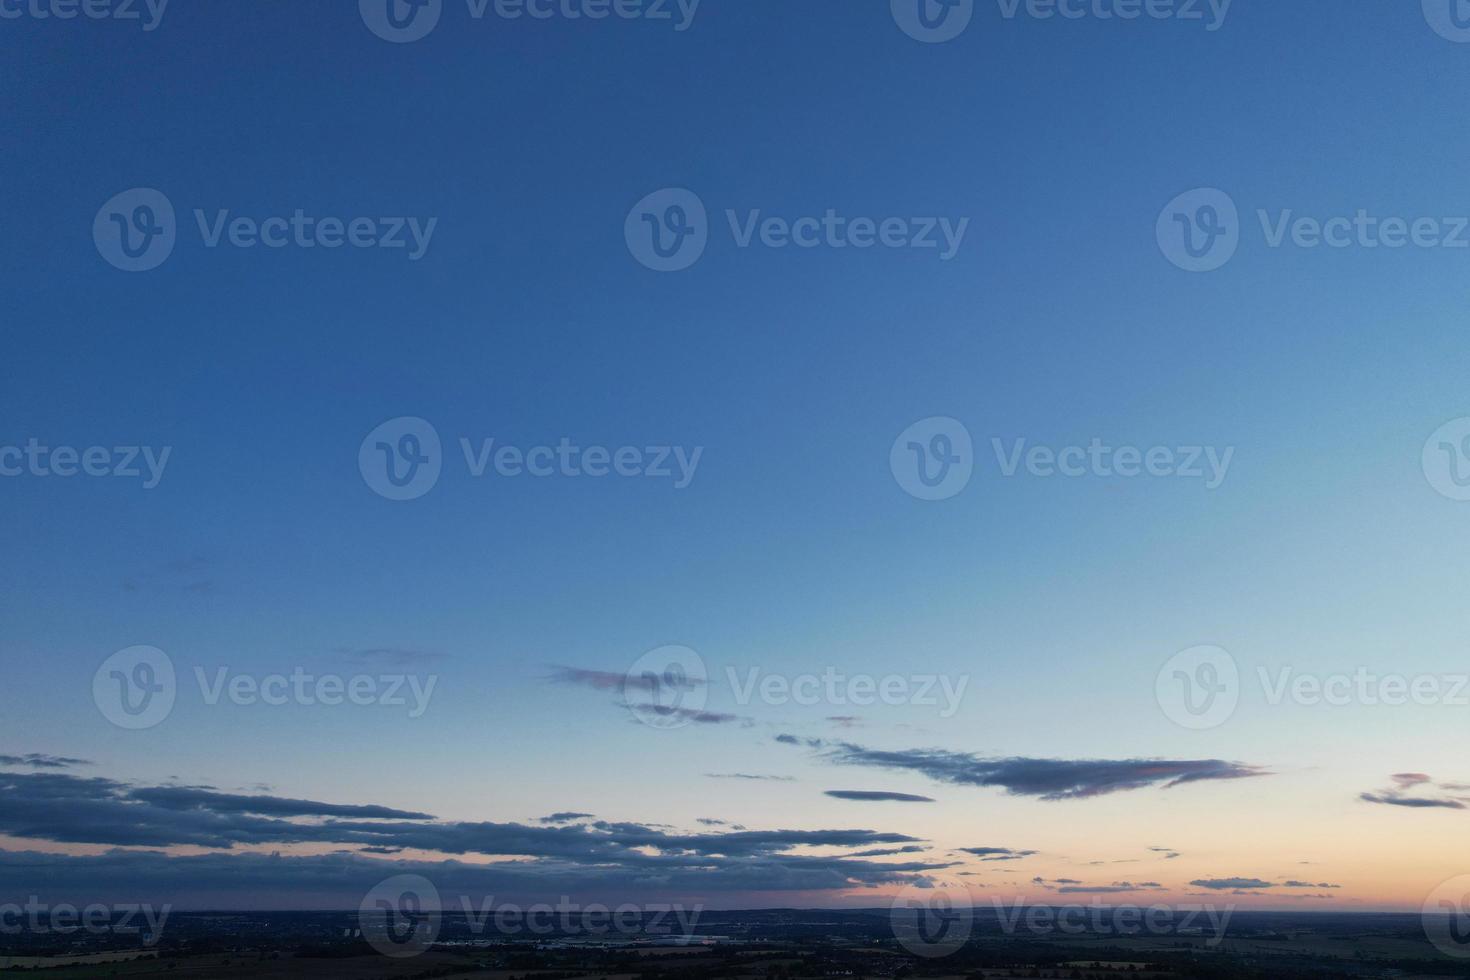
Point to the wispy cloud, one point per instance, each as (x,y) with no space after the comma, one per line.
(38,760)
(1403,782)
(1047,779)
(877,796)
(997,853)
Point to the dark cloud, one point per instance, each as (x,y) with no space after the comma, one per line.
(887,851)
(1307,884)
(37,760)
(602,680)
(747,775)
(1048,779)
(1416,802)
(877,796)
(1113,889)
(566,816)
(1168,852)
(997,853)
(202,798)
(64,808)
(1231,884)
(1397,795)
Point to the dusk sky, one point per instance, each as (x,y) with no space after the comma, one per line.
(1297,413)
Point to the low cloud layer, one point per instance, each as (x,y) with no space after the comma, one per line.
(569,846)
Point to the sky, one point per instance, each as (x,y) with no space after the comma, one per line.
(991,262)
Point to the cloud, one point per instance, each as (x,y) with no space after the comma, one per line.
(997,853)
(566,816)
(845,721)
(1307,884)
(67,809)
(627,684)
(1168,852)
(877,796)
(1048,779)
(1228,884)
(1115,888)
(202,798)
(37,760)
(747,775)
(1404,781)
(886,851)
(602,680)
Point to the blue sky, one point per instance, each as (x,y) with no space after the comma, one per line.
(793,549)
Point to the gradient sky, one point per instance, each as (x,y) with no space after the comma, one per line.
(794,549)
